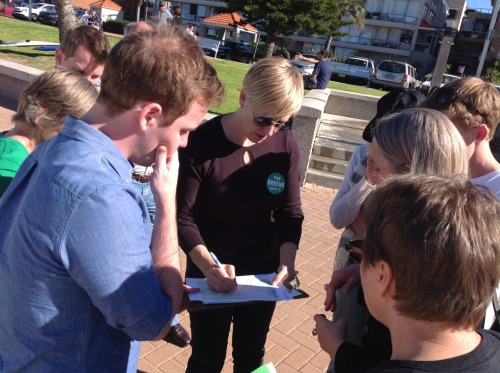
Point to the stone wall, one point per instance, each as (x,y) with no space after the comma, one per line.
(14,78)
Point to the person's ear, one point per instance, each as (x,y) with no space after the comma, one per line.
(150,114)
(385,279)
(243,98)
(58,56)
(482,132)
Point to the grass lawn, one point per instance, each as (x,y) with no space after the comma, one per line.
(231,73)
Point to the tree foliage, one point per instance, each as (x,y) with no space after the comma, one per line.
(273,17)
(322,17)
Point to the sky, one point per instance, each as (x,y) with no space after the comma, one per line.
(477,4)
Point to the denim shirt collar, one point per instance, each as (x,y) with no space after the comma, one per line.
(78,129)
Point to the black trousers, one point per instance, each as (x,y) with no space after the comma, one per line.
(210,331)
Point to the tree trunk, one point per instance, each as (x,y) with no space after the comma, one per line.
(270,43)
(138,15)
(328,43)
(66,18)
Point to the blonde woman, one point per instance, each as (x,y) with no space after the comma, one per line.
(239,198)
(40,115)
(416,141)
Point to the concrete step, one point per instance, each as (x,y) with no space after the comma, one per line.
(339,120)
(334,149)
(328,164)
(340,133)
(325,179)
(336,140)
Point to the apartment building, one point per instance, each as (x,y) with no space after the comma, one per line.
(401,30)
(470,39)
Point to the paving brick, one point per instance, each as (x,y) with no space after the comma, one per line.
(276,354)
(300,358)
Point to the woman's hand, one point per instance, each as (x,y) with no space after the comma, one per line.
(330,334)
(282,273)
(288,252)
(344,278)
(221,279)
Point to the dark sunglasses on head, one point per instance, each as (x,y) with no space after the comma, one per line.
(265,122)
(446,95)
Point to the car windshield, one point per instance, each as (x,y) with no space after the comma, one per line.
(35,6)
(392,67)
(356,62)
(449,79)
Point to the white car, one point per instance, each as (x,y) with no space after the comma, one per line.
(306,68)
(22,12)
(395,74)
(426,86)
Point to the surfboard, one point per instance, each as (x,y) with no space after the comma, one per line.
(27,43)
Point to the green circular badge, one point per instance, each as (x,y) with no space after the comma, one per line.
(275,183)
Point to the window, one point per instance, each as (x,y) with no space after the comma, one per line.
(213,32)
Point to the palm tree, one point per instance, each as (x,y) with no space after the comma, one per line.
(356,11)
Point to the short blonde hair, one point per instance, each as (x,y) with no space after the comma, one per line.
(275,87)
(424,139)
(485,106)
(49,98)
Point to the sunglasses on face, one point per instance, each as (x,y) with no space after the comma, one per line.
(265,122)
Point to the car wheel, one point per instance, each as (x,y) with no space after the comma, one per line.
(368,81)
(227,56)
(249,60)
(334,77)
(33,17)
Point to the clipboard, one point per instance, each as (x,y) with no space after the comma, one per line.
(252,287)
(195,305)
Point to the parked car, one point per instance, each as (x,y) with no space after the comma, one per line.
(51,18)
(231,50)
(305,67)
(426,86)
(358,69)
(23,11)
(48,18)
(395,74)
(9,8)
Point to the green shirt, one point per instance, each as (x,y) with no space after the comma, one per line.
(12,155)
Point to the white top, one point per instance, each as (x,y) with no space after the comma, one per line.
(353,191)
(490,181)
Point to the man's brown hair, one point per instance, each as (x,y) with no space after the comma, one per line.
(162,66)
(441,237)
(485,106)
(90,38)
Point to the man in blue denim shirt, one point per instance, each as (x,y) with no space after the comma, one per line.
(83,276)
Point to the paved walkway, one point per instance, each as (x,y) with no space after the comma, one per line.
(290,344)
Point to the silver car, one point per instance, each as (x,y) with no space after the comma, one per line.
(395,74)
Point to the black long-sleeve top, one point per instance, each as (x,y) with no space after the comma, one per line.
(241,212)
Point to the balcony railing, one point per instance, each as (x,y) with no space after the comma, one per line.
(473,34)
(373,42)
(390,17)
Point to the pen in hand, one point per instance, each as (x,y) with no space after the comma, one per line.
(226,283)
(217,261)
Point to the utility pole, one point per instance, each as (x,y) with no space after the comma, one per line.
(487,41)
(444,51)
